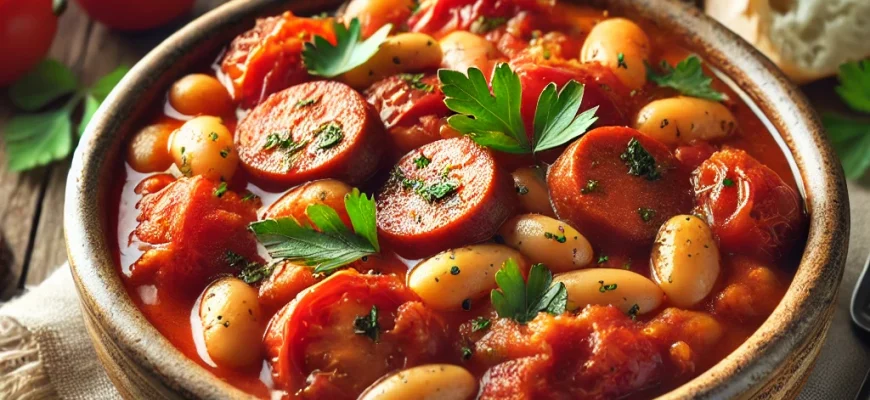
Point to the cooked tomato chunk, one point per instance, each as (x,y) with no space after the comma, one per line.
(315,130)
(342,334)
(191,226)
(440,17)
(268,58)
(753,290)
(748,206)
(443,195)
(598,354)
(617,183)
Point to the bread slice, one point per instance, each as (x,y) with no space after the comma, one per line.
(807,39)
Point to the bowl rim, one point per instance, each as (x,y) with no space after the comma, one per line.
(805,304)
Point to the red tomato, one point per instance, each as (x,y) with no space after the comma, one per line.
(27,28)
(317,350)
(135,15)
(440,17)
(748,206)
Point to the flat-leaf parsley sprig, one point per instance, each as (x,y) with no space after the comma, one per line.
(522,300)
(851,135)
(322,58)
(494,120)
(688,78)
(328,244)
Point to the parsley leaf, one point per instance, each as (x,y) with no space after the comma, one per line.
(556,119)
(851,140)
(37,139)
(328,244)
(323,59)
(47,82)
(522,301)
(480,323)
(494,119)
(368,324)
(854,86)
(687,78)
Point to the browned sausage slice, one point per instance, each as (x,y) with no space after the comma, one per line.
(606,186)
(311,131)
(446,194)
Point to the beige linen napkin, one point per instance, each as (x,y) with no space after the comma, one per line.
(45,351)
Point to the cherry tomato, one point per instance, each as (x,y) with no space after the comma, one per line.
(134,15)
(26,31)
(324,344)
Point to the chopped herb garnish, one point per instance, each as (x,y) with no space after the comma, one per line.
(330,135)
(454,270)
(225,152)
(632,312)
(646,214)
(422,161)
(250,271)
(521,189)
(688,78)
(213,136)
(620,61)
(306,102)
(521,300)
(416,82)
(466,304)
(556,237)
(367,324)
(274,140)
(486,24)
(480,323)
(639,161)
(591,186)
(220,190)
(328,244)
(467,353)
(250,196)
(603,259)
(322,58)
(438,190)
(606,288)
(727,182)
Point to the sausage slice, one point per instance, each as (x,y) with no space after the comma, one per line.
(311,131)
(446,194)
(616,183)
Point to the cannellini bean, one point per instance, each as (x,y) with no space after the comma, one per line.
(373,14)
(548,241)
(426,382)
(622,46)
(149,150)
(232,323)
(463,50)
(619,287)
(200,94)
(405,52)
(682,119)
(685,260)
(204,146)
(532,191)
(453,279)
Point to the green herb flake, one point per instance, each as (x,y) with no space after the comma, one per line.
(306,102)
(688,78)
(603,259)
(250,271)
(330,134)
(646,214)
(521,189)
(438,190)
(220,190)
(367,324)
(454,270)
(556,237)
(727,182)
(522,300)
(480,323)
(226,152)
(467,353)
(250,196)
(632,312)
(590,186)
(422,162)
(213,136)
(639,161)
(485,24)
(606,288)
(416,82)
(620,61)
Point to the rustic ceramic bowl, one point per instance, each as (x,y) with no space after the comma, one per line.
(773,363)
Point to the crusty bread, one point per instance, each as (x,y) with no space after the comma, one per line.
(807,39)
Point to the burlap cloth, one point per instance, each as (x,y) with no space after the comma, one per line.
(45,351)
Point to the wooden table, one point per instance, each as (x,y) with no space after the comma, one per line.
(31,203)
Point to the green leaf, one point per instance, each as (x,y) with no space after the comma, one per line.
(522,301)
(101,89)
(329,244)
(37,139)
(556,120)
(490,119)
(851,140)
(688,78)
(854,86)
(88,110)
(47,82)
(323,59)
(361,210)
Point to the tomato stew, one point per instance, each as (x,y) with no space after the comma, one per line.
(456,198)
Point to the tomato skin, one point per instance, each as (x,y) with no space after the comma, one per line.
(756,213)
(27,29)
(135,15)
(440,17)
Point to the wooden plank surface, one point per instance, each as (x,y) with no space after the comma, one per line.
(31,203)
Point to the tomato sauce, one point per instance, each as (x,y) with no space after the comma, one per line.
(176,315)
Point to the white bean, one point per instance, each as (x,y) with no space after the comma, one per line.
(232,323)
(681,120)
(463,50)
(685,260)
(405,52)
(204,146)
(622,288)
(548,241)
(426,382)
(531,188)
(620,45)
